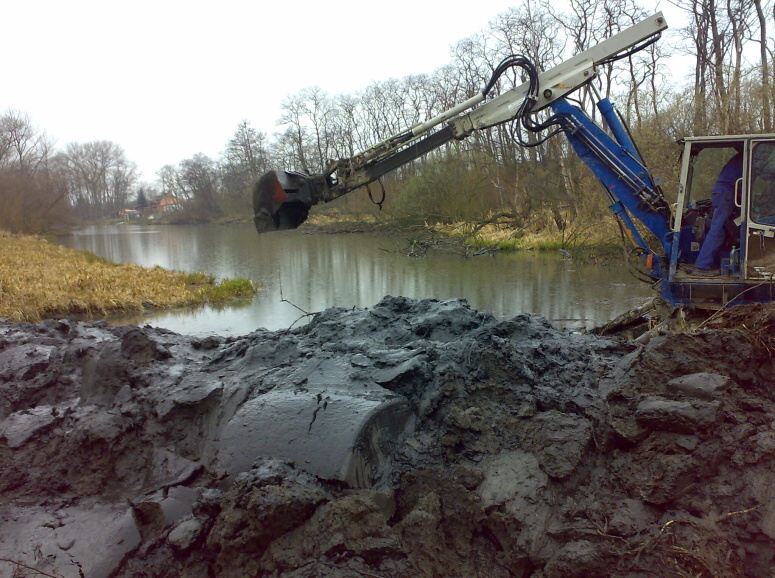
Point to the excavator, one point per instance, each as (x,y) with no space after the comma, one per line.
(664,238)
(352,439)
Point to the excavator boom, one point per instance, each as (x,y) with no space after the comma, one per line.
(282,199)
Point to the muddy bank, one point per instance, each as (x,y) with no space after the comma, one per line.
(523,450)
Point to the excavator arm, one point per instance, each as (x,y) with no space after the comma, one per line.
(282,199)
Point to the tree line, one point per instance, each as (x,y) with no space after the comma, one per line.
(41,188)
(729,90)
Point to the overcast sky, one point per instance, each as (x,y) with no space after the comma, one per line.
(168,79)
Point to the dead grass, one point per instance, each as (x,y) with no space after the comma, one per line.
(600,234)
(597,234)
(39,279)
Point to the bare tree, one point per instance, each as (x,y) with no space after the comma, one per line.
(318,109)
(245,159)
(247,150)
(739,13)
(20,144)
(293,118)
(765,71)
(33,196)
(99,177)
(168,178)
(198,177)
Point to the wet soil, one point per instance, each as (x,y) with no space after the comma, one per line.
(533,451)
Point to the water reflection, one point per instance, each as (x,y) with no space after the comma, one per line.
(316,271)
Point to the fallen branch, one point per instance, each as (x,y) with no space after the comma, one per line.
(30,568)
(496,219)
(725,307)
(304,312)
(729,515)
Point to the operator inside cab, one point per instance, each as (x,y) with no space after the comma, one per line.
(724,214)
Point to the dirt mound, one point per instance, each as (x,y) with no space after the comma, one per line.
(531,452)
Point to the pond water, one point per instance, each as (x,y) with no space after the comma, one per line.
(316,271)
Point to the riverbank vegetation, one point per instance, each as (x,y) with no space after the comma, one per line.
(501,231)
(39,279)
(542,191)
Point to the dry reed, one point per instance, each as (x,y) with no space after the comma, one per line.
(39,279)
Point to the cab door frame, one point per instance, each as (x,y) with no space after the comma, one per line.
(754,232)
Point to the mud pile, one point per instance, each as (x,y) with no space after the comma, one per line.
(529,451)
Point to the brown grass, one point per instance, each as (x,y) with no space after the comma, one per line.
(599,233)
(39,279)
(539,235)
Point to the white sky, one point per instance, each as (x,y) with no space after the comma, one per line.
(166,79)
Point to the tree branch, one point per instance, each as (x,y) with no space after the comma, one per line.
(304,312)
(30,568)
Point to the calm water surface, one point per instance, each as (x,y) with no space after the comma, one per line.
(316,271)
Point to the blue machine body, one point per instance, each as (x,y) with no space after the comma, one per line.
(616,162)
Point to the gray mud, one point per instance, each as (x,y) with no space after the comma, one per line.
(532,451)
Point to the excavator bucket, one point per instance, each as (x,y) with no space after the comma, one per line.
(281,200)
(335,434)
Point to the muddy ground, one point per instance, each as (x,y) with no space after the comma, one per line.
(529,451)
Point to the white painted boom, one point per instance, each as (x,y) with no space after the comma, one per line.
(560,80)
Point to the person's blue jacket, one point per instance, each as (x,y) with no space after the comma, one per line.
(723,200)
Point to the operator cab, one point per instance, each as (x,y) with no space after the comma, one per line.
(746,258)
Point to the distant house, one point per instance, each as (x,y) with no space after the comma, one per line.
(168,203)
(164,204)
(128,214)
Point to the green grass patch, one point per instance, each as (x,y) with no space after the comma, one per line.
(230,289)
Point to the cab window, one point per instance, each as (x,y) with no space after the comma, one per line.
(763,183)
